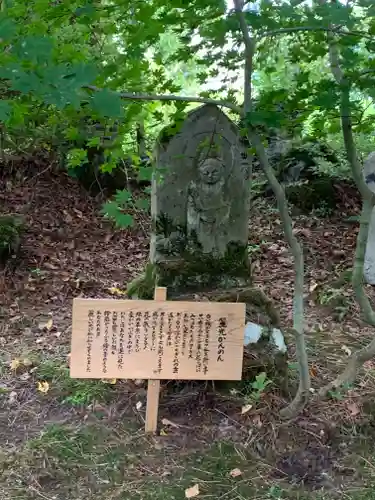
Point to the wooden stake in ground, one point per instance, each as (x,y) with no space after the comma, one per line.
(153,388)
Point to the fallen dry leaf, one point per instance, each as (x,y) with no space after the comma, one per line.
(192,492)
(258,421)
(12,398)
(313,371)
(116,291)
(346,350)
(353,409)
(111,381)
(368,365)
(43,387)
(165,421)
(46,326)
(235,472)
(15,363)
(245,409)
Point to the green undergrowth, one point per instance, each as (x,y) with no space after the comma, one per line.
(85,454)
(117,462)
(11,227)
(69,390)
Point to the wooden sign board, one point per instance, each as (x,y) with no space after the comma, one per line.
(141,339)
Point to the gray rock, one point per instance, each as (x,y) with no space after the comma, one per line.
(200,201)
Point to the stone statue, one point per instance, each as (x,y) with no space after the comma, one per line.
(200,196)
(208,208)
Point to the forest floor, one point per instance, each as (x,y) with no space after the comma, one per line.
(65,439)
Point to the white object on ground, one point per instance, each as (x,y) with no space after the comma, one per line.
(253,333)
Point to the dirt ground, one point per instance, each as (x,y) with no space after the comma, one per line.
(65,439)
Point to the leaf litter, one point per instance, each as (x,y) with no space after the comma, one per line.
(66,239)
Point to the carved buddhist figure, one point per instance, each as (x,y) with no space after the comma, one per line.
(208,208)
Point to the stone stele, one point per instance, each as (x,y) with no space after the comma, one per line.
(200,202)
(369,265)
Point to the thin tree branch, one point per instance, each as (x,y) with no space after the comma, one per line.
(360,356)
(249,55)
(132,96)
(367,352)
(303,392)
(296,29)
(346,119)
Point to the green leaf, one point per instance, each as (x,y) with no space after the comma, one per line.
(34,48)
(5,110)
(108,166)
(93,142)
(142,203)
(123,197)
(86,10)
(106,103)
(265,118)
(26,82)
(110,209)
(72,133)
(7,28)
(76,157)
(124,220)
(81,74)
(144,173)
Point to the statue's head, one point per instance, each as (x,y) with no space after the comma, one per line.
(211,170)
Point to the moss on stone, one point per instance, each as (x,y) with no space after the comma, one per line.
(195,270)
(144,285)
(183,266)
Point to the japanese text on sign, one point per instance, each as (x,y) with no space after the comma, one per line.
(146,339)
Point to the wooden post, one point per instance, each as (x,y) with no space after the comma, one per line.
(153,387)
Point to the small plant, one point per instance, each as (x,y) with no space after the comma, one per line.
(338,299)
(258,386)
(37,272)
(253,249)
(339,393)
(323,210)
(275,492)
(10,229)
(116,209)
